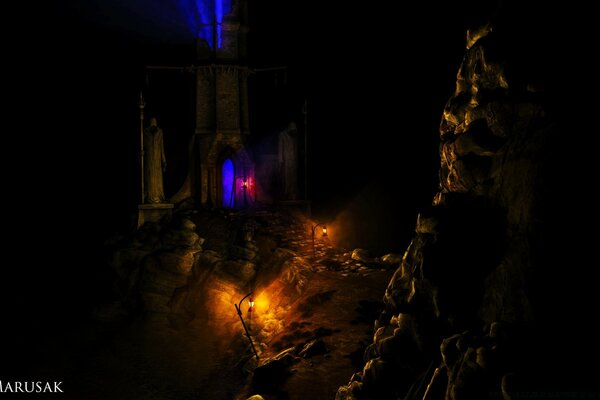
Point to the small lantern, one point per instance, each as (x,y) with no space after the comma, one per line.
(250,304)
(244,184)
(313,229)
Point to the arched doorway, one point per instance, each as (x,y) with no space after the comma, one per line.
(228,183)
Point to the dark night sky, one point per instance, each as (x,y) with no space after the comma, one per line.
(376,80)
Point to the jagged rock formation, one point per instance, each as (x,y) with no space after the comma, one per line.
(460,304)
(169,273)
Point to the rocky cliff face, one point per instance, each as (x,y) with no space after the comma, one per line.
(462,302)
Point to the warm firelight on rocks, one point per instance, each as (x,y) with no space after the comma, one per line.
(261,303)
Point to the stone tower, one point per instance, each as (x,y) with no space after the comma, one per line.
(221,172)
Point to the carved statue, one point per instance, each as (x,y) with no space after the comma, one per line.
(154,163)
(288,161)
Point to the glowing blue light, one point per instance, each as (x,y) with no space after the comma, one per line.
(219,19)
(228,178)
(205,18)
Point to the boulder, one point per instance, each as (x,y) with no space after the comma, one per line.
(244,253)
(382,333)
(391,259)
(350,392)
(125,261)
(362,255)
(172,238)
(242,270)
(449,350)
(513,384)
(187,224)
(428,225)
(399,290)
(274,371)
(400,350)
(483,357)
(154,273)
(469,383)
(313,348)
(209,257)
(436,389)
(370,352)
(176,263)
(155,303)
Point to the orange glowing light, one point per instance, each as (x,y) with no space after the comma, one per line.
(324,230)
(261,302)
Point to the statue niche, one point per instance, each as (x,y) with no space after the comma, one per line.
(154,164)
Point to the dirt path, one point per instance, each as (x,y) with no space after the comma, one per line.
(345,307)
(339,309)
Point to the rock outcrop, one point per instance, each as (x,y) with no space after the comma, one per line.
(167,271)
(459,305)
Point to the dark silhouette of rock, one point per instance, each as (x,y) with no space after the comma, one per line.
(255,397)
(273,372)
(475,250)
(391,259)
(313,348)
(436,389)
(362,255)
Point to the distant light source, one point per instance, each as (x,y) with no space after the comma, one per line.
(205,18)
(313,235)
(238,308)
(245,187)
(250,309)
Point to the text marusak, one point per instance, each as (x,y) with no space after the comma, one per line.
(30,387)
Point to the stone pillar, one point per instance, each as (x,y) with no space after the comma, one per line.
(228,104)
(205,101)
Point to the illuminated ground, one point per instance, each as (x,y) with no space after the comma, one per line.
(342,308)
(152,359)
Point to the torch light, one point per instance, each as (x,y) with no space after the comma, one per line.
(238,308)
(250,309)
(313,235)
(244,190)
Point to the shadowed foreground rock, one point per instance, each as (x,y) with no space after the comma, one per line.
(459,309)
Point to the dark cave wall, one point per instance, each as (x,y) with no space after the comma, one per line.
(462,304)
(492,135)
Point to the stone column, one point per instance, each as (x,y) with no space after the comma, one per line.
(228,105)
(205,101)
